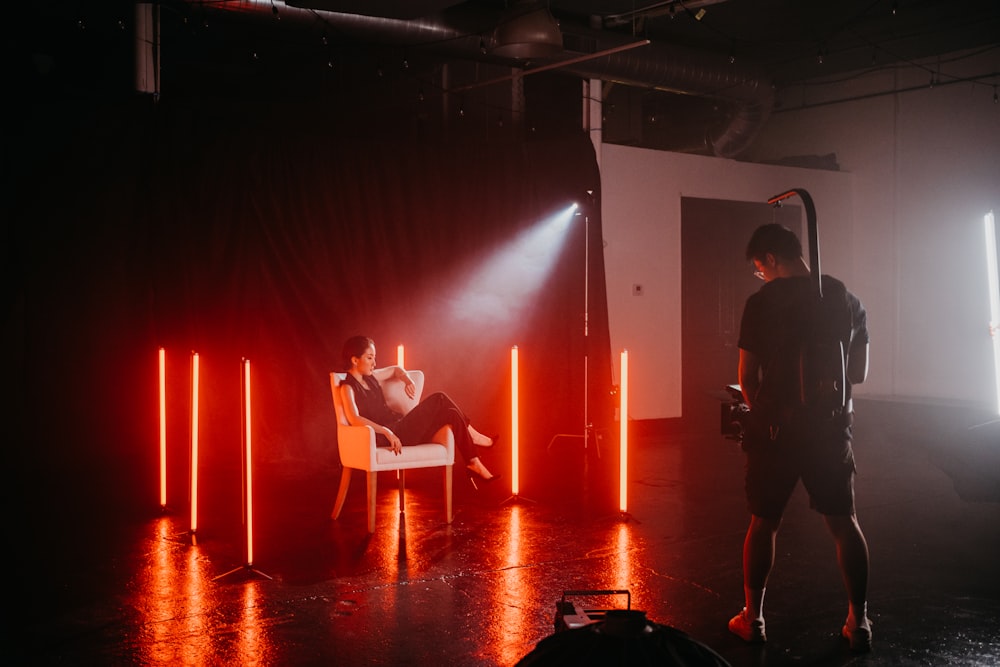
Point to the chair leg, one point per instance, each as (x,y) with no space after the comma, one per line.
(372,493)
(345,481)
(447,492)
(402,485)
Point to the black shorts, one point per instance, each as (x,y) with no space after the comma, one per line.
(819,454)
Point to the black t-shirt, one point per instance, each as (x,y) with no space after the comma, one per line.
(778,320)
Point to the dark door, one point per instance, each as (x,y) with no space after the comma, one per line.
(716,280)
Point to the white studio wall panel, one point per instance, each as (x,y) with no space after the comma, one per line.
(926,162)
(641,214)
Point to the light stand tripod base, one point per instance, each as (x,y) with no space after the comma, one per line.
(187,537)
(517,499)
(244,569)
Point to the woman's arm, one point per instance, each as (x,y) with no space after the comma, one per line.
(355,418)
(398,373)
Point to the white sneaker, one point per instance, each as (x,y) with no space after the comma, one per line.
(859,636)
(751,631)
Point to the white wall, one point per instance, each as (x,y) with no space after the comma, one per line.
(641,216)
(919,169)
(927,168)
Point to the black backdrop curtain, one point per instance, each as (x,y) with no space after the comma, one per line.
(257,231)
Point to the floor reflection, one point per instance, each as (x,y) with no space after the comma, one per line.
(253,645)
(175,627)
(623,560)
(483,590)
(512,593)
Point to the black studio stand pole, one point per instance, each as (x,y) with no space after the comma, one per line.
(588,428)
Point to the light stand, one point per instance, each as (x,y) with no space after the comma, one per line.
(247,567)
(993,281)
(588,427)
(515,433)
(191,534)
(195,390)
(623,440)
(162,387)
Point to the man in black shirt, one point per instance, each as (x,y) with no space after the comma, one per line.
(792,436)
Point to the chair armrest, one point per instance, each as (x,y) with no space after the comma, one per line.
(395,392)
(445,436)
(357,446)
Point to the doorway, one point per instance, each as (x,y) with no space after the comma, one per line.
(716,280)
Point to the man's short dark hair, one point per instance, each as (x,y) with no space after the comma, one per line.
(776,239)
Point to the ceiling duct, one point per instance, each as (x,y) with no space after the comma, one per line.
(682,71)
(459,32)
(527,30)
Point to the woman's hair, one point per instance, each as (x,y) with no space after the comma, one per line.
(776,239)
(354,346)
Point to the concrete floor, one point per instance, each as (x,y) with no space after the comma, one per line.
(103,584)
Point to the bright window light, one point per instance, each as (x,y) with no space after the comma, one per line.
(994,284)
(400,356)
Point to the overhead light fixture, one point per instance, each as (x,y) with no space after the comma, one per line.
(527,30)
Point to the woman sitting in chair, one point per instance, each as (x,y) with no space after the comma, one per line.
(365,404)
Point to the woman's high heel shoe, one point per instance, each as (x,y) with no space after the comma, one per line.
(473,475)
(494,439)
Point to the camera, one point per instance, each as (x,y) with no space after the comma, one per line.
(734,414)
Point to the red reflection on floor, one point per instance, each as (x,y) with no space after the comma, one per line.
(482,591)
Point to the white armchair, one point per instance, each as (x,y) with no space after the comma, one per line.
(358,450)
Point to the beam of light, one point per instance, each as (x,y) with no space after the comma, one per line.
(248,460)
(400,356)
(163,427)
(623,436)
(194,441)
(994,284)
(501,286)
(515,483)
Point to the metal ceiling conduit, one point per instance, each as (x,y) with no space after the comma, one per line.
(462,31)
(684,71)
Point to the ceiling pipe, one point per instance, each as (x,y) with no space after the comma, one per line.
(664,8)
(684,71)
(463,31)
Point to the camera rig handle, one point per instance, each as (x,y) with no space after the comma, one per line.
(813,233)
(823,360)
